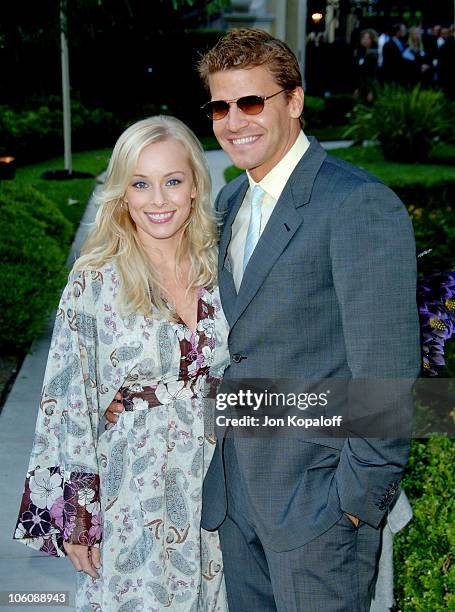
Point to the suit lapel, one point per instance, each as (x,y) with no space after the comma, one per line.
(283,223)
(281,227)
(228,291)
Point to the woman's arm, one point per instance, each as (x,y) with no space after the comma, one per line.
(61,494)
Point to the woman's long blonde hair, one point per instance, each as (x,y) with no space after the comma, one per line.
(113,237)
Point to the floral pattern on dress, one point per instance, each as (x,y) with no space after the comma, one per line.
(134,489)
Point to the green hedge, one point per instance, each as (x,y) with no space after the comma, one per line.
(407,124)
(433,217)
(331,111)
(313,112)
(37,134)
(424,550)
(33,251)
(24,198)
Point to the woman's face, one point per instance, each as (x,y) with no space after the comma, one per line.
(160,192)
(415,35)
(366,40)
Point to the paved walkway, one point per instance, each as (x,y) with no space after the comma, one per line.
(21,568)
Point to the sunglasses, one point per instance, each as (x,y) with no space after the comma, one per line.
(250,105)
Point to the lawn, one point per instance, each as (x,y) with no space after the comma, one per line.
(71,196)
(336,132)
(392,173)
(323,133)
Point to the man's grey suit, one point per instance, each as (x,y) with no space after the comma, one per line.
(329,292)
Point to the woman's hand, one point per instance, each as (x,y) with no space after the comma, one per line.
(84,558)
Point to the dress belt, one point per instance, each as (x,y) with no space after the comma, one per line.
(147,394)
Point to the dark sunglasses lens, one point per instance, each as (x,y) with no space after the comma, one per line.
(251,105)
(217,109)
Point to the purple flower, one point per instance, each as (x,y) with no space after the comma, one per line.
(36,521)
(436,304)
(56,512)
(96,529)
(70,524)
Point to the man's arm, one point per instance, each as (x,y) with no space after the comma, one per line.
(113,410)
(374,273)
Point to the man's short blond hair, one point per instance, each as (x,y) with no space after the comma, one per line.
(248,48)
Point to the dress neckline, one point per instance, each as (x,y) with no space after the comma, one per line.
(200,293)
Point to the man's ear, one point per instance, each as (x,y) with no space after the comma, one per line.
(296,102)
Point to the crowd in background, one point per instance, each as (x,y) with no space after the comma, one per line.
(400,55)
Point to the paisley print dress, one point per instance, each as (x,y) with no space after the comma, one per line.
(134,489)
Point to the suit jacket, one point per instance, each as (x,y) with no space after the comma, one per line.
(329,292)
(394,67)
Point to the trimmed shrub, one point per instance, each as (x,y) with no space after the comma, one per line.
(31,276)
(93,128)
(327,112)
(31,134)
(337,108)
(423,551)
(23,197)
(433,218)
(35,135)
(407,124)
(313,111)
(443,154)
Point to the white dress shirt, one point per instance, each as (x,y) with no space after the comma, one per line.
(273,184)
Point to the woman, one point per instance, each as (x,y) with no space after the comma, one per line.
(366,66)
(140,312)
(418,62)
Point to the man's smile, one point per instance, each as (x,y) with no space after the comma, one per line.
(243,140)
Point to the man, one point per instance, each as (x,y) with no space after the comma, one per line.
(325,289)
(317,280)
(393,65)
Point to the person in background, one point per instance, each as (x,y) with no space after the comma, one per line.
(430,39)
(382,40)
(446,62)
(340,77)
(393,64)
(316,64)
(418,67)
(366,65)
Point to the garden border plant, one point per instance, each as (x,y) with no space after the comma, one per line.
(38,231)
(408,124)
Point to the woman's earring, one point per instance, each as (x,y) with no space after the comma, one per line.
(123,204)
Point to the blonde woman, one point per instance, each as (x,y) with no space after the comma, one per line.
(418,63)
(141,312)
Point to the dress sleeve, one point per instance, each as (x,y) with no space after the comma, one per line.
(61,494)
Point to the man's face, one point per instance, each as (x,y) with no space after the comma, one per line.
(256,142)
(402,32)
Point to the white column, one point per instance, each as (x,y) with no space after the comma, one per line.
(331,20)
(65,89)
(280,8)
(301,35)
